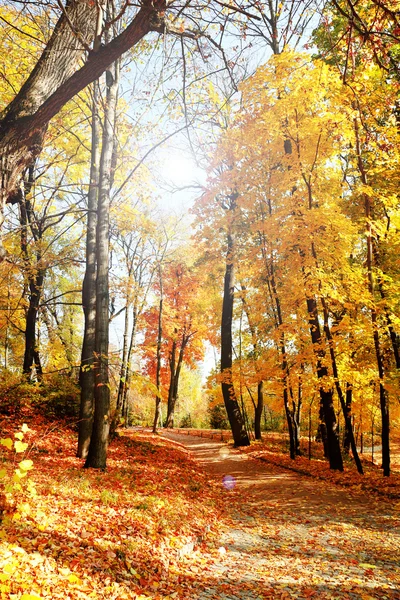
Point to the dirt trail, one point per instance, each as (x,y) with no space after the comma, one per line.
(293,537)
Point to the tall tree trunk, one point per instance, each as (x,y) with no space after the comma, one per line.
(326,395)
(383,394)
(169,422)
(348,424)
(124,362)
(287,389)
(86,374)
(35,277)
(126,383)
(332,353)
(157,413)
(259,406)
(258,411)
(394,338)
(294,448)
(235,417)
(289,420)
(31,351)
(343,403)
(173,397)
(97,453)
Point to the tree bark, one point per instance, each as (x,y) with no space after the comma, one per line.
(235,417)
(35,275)
(86,374)
(294,446)
(258,411)
(174,383)
(343,402)
(383,394)
(326,395)
(259,406)
(169,422)
(348,424)
(126,383)
(97,453)
(124,361)
(157,413)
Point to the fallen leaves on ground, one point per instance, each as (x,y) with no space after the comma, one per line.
(372,481)
(154,526)
(115,534)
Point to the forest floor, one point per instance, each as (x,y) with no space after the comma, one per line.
(187,518)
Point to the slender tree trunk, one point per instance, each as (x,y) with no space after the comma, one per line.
(343,403)
(332,353)
(394,338)
(35,292)
(289,420)
(235,417)
(157,413)
(35,276)
(297,411)
(97,453)
(383,394)
(348,423)
(287,390)
(258,408)
(38,364)
(126,383)
(175,382)
(86,374)
(294,448)
(124,361)
(326,395)
(169,422)
(258,411)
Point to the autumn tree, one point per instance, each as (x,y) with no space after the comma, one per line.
(297,146)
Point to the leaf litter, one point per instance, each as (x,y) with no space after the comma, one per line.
(156,525)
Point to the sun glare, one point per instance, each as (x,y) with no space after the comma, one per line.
(180,170)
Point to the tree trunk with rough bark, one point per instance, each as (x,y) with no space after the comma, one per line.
(97,453)
(235,416)
(326,395)
(35,275)
(343,403)
(86,374)
(258,411)
(383,393)
(157,413)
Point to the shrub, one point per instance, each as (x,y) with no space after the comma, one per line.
(218,417)
(60,397)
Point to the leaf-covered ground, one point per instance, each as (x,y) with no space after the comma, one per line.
(118,534)
(158,525)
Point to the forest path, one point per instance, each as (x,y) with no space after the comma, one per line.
(292,536)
